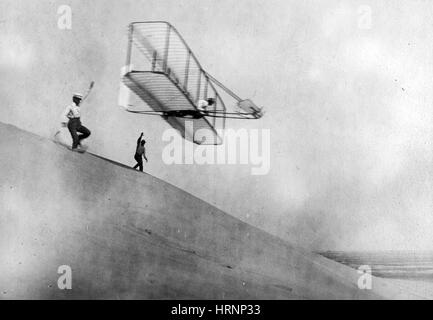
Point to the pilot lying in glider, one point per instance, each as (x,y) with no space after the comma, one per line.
(198,113)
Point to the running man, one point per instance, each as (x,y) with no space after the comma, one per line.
(140,153)
(72,119)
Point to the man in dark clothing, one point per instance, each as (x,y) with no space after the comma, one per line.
(140,153)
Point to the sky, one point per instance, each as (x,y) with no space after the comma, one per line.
(345,85)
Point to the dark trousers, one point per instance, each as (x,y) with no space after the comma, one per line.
(139,160)
(75,126)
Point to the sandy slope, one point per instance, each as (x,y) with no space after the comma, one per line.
(130,235)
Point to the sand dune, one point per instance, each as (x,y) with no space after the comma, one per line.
(129,235)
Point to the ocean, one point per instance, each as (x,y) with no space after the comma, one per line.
(404,265)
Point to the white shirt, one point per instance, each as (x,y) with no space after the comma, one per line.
(202,105)
(72,111)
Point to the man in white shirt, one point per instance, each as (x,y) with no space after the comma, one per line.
(204,104)
(71,119)
(72,116)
